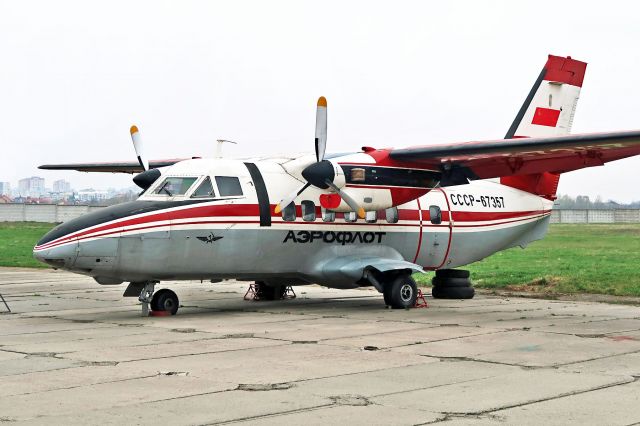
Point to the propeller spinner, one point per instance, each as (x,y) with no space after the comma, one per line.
(321,174)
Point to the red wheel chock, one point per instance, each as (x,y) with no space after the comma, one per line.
(421,302)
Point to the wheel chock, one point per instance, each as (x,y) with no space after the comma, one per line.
(252,293)
(421,302)
(289,293)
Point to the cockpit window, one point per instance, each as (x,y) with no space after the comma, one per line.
(175,186)
(228,186)
(204,190)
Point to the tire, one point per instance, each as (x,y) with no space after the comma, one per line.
(165,300)
(403,292)
(387,295)
(153,305)
(452,273)
(266,292)
(453,292)
(450,282)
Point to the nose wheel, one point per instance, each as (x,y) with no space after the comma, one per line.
(164,300)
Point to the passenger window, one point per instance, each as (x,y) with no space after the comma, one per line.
(175,186)
(228,186)
(435,215)
(289,213)
(392,215)
(350,217)
(371,217)
(308,211)
(328,215)
(204,190)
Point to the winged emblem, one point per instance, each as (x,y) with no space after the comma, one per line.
(209,239)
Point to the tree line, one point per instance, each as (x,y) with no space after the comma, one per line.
(584,202)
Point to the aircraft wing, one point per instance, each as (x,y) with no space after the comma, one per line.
(521,156)
(113,167)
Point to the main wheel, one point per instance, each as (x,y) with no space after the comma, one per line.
(165,300)
(402,292)
(266,292)
(386,294)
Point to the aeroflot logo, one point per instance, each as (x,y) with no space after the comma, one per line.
(341,237)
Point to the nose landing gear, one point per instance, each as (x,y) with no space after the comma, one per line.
(164,300)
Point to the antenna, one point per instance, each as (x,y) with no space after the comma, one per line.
(219,147)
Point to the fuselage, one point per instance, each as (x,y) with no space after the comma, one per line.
(216,219)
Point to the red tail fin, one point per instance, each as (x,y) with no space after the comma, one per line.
(548,110)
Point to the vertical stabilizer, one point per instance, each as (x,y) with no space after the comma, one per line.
(548,110)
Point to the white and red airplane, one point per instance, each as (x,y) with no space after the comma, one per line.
(369,218)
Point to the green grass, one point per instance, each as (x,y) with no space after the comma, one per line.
(600,259)
(17,240)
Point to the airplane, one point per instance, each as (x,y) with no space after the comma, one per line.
(364,219)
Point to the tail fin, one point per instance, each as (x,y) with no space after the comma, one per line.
(547,111)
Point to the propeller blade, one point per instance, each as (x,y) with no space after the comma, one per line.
(289,198)
(321,128)
(347,199)
(137,145)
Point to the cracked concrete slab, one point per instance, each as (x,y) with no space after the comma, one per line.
(526,348)
(616,405)
(75,352)
(507,390)
(351,415)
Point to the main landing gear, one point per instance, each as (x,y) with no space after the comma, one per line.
(400,292)
(164,300)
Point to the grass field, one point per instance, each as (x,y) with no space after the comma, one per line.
(17,240)
(603,259)
(597,258)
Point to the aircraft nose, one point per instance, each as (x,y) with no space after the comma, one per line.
(55,251)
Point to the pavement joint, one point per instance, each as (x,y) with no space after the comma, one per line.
(538,400)
(442,358)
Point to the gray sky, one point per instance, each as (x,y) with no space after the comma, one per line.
(74,75)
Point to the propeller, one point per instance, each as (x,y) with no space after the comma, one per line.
(137,145)
(347,199)
(321,128)
(320,174)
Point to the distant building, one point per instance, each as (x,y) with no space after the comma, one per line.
(61,186)
(91,195)
(5,188)
(31,187)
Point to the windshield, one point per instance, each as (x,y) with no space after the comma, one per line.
(204,190)
(175,186)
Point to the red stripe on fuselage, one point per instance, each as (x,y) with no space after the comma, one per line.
(245,210)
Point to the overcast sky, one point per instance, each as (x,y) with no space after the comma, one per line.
(75,75)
